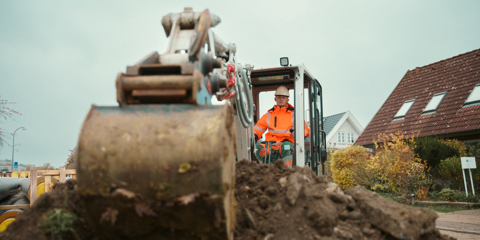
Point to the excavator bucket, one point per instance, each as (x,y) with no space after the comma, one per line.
(159,171)
(161,164)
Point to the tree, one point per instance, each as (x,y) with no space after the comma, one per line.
(46,166)
(6,112)
(29,167)
(72,160)
(431,150)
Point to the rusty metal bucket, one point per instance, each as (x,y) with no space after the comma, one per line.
(158,171)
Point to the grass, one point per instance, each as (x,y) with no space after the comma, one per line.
(439,208)
(59,221)
(448,208)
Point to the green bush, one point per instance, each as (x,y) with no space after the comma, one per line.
(434,196)
(447,194)
(451,169)
(475,176)
(439,184)
(473,149)
(59,222)
(463,149)
(462,197)
(432,150)
(421,183)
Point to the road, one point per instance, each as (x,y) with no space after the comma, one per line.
(463,225)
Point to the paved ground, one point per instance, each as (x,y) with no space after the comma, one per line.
(461,224)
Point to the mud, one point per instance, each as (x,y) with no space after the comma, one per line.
(273,202)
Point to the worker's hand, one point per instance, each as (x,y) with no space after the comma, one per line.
(278,144)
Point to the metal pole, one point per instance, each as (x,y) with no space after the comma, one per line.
(465,181)
(13,147)
(471,180)
(299,157)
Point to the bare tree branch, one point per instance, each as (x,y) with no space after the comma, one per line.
(6,113)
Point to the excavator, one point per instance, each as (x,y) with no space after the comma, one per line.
(161,164)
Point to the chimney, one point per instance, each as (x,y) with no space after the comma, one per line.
(417,70)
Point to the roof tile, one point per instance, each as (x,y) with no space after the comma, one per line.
(457,76)
(330,122)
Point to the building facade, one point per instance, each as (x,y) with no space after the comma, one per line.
(6,166)
(342,130)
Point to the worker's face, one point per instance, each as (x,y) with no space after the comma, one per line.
(281,101)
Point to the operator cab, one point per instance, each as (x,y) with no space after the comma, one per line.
(308,104)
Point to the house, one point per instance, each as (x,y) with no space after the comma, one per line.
(6,166)
(342,130)
(441,99)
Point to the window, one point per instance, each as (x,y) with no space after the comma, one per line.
(350,138)
(474,98)
(434,103)
(404,109)
(341,137)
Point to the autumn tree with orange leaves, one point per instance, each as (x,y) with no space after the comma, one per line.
(71,162)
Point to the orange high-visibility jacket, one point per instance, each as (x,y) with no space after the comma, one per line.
(278,121)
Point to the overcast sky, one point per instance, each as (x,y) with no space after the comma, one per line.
(59,57)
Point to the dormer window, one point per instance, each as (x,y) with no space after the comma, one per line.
(404,110)
(474,97)
(434,103)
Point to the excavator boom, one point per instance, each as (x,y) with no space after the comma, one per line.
(161,164)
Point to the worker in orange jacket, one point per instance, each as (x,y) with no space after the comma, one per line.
(279,121)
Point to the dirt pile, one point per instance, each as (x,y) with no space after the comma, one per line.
(63,196)
(274,202)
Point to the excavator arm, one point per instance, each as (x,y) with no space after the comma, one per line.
(161,164)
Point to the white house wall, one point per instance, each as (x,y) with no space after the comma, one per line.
(346,127)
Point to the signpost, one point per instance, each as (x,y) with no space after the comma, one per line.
(15,165)
(468,163)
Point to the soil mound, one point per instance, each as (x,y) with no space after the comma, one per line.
(63,196)
(273,202)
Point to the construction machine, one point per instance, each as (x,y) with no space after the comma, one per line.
(161,165)
(308,103)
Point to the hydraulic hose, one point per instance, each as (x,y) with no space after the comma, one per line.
(245,118)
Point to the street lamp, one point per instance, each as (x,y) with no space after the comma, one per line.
(13,146)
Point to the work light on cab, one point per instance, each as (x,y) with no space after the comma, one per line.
(284,61)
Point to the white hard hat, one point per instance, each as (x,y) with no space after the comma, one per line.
(282,91)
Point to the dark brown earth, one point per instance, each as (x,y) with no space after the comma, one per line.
(274,202)
(25,226)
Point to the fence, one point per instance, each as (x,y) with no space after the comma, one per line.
(61,172)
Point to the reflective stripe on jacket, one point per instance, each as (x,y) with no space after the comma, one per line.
(278,121)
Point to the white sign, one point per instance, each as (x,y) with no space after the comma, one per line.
(469,163)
